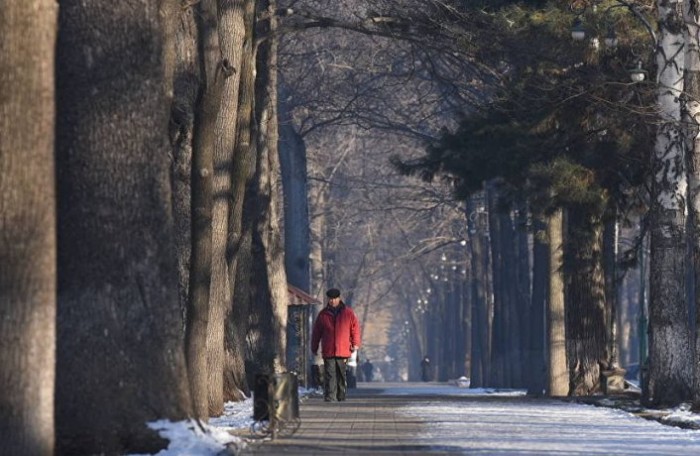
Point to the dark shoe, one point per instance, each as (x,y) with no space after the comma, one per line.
(340,399)
(327,399)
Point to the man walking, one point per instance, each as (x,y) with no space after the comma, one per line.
(338,331)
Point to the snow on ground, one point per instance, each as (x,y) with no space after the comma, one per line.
(190,438)
(683,415)
(543,426)
(497,425)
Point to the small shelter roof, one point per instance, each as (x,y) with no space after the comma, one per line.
(298,297)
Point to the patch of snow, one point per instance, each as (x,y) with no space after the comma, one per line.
(190,437)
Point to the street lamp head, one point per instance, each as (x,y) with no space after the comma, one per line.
(578,31)
(638,74)
(611,38)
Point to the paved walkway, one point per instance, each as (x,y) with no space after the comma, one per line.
(405,419)
(364,424)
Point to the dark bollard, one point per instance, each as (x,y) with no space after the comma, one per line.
(276,399)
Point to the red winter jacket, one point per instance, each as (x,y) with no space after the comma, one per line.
(337,333)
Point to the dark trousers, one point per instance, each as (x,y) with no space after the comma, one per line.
(336,383)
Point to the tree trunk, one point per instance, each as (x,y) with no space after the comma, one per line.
(120,359)
(535,352)
(271,285)
(185,88)
(586,334)
(28,227)
(692,119)
(498,339)
(468,323)
(610,242)
(204,140)
(512,321)
(244,291)
(231,32)
(522,300)
(235,383)
(670,351)
(480,346)
(318,195)
(558,375)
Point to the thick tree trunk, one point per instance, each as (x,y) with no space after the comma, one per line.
(235,383)
(28,227)
(509,266)
(670,350)
(120,359)
(557,373)
(204,140)
(586,334)
(692,118)
(231,32)
(185,88)
(271,294)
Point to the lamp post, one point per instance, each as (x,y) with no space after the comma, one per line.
(578,29)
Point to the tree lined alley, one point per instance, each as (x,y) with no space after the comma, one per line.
(486,191)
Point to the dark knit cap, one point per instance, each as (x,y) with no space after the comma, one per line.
(333,293)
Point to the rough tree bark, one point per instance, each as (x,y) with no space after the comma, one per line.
(27,227)
(586,335)
(120,358)
(692,118)
(231,31)
(185,88)
(557,373)
(670,350)
(238,251)
(267,238)
(204,140)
